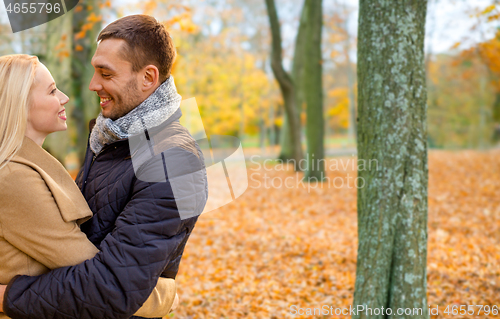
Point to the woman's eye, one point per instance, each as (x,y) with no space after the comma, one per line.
(53,91)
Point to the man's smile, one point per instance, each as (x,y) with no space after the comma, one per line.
(105,101)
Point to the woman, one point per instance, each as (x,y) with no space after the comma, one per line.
(41,207)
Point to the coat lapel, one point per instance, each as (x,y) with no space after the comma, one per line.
(68,197)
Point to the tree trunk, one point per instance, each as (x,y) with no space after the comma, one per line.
(496,118)
(286,146)
(272,129)
(286,84)
(313,91)
(483,135)
(297,74)
(392,159)
(59,43)
(241,105)
(86,102)
(262,130)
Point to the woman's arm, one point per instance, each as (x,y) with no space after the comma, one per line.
(2,292)
(161,300)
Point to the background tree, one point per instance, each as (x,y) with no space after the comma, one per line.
(489,51)
(392,206)
(340,37)
(485,56)
(339,73)
(59,38)
(350,82)
(86,26)
(312,82)
(456,96)
(287,147)
(71,42)
(287,86)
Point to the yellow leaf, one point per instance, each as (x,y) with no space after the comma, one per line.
(456,45)
(488,9)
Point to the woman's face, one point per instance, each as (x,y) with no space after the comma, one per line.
(46,113)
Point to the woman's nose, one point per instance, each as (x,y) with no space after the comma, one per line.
(64,98)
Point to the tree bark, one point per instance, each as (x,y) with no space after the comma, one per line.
(392,159)
(286,84)
(297,74)
(313,91)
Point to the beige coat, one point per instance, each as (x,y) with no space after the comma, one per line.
(41,209)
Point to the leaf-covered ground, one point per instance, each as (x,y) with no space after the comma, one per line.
(276,247)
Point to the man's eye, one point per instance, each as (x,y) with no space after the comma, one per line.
(105,75)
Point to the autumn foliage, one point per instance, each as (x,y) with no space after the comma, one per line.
(277,247)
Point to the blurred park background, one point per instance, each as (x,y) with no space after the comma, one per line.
(278,246)
(224,49)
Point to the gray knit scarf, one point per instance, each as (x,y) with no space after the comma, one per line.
(156,109)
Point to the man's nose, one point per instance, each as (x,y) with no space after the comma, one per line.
(94,84)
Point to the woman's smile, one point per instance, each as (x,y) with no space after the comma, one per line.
(62,115)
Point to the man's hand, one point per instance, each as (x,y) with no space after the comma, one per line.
(176,303)
(2,292)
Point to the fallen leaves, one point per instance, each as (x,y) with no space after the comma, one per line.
(277,247)
(464,222)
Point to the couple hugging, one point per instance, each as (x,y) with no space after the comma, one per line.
(109,245)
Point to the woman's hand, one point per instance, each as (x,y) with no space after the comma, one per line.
(2,292)
(176,303)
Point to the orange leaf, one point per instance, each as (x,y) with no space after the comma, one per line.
(80,35)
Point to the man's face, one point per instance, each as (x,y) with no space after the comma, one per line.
(114,81)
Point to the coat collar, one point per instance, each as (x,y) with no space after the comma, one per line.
(68,197)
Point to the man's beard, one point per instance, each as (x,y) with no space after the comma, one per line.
(125,103)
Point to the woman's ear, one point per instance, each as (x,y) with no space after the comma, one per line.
(151,77)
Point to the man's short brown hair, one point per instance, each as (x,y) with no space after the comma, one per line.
(147,42)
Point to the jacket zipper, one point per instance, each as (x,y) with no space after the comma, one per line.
(93,160)
(96,155)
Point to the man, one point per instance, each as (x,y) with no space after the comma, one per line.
(143,177)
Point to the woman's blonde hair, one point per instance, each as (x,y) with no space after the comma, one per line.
(17,75)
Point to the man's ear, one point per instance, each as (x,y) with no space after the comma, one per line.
(151,77)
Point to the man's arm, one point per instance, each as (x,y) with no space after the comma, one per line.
(121,276)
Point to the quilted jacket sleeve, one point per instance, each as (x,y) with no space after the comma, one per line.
(117,281)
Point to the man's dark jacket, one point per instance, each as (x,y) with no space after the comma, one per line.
(136,226)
